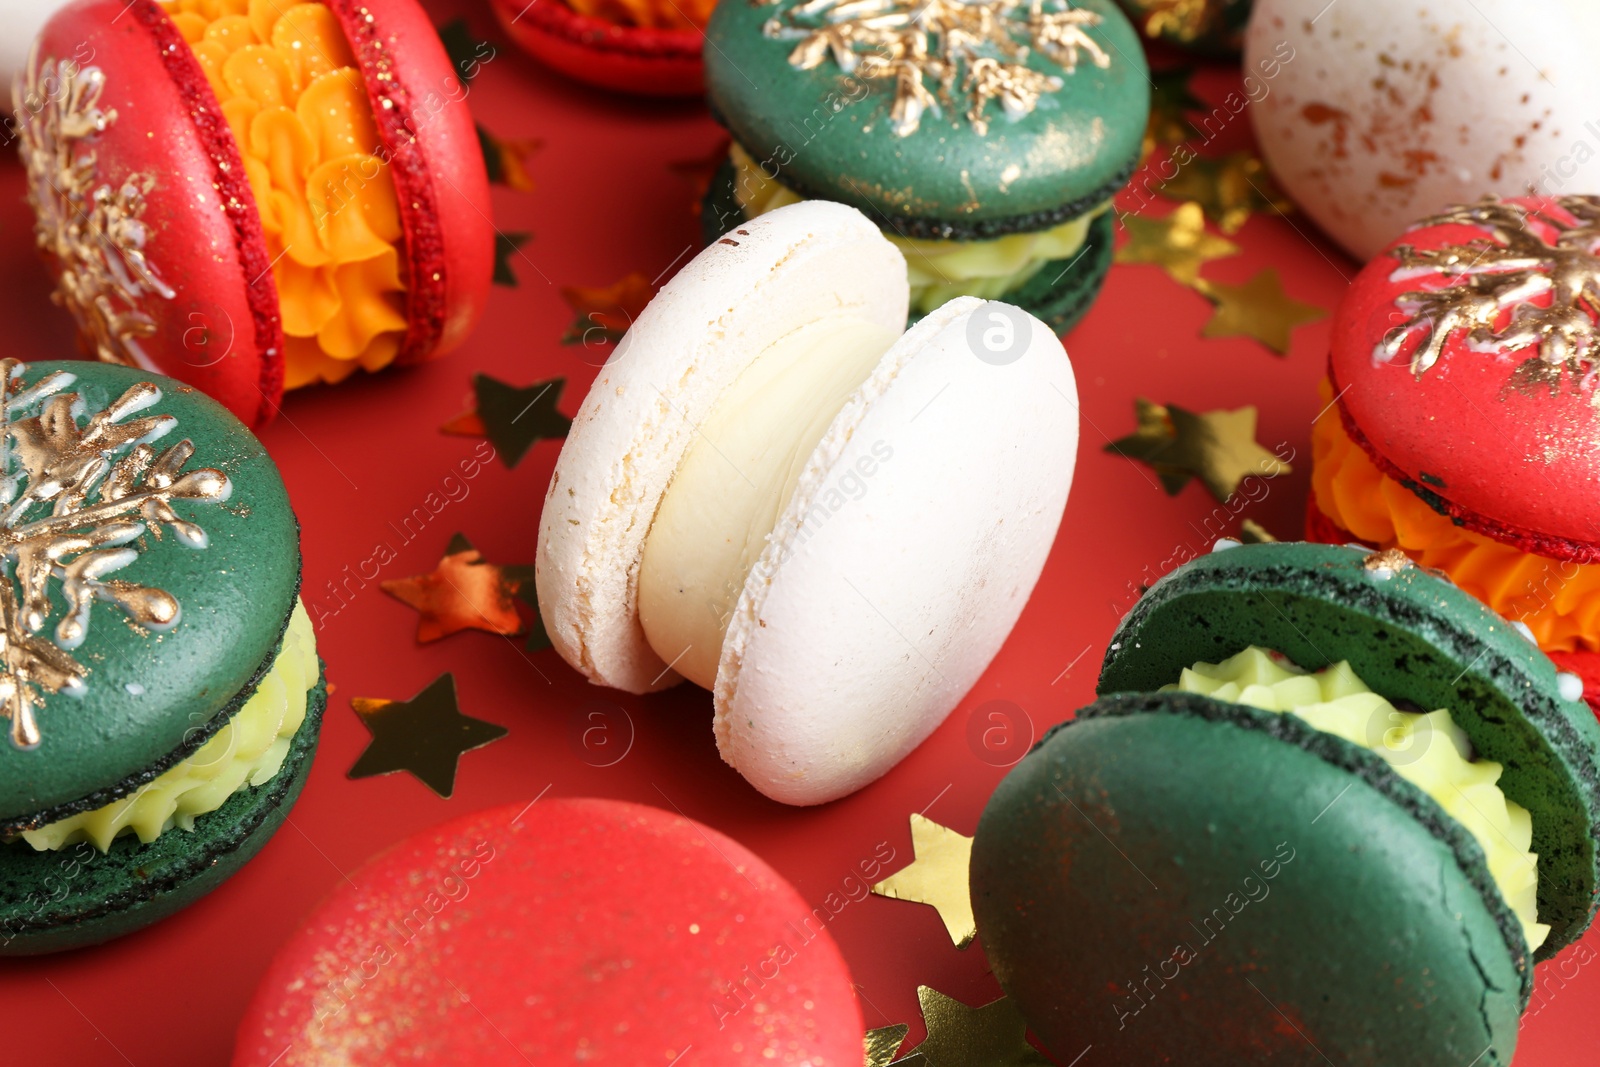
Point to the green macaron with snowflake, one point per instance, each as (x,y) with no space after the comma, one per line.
(986,138)
(160,685)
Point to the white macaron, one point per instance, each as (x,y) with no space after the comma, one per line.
(1382,112)
(20,23)
(831,524)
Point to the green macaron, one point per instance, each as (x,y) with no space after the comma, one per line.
(160,689)
(983,137)
(1187,873)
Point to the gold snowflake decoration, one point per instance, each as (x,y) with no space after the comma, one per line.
(933,50)
(77,489)
(1512,268)
(92,233)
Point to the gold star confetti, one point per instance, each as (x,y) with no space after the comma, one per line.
(1252,532)
(604,313)
(424,736)
(1178,243)
(1218,447)
(1259,308)
(960,1036)
(513,418)
(1230,188)
(462,592)
(937,877)
(882,1044)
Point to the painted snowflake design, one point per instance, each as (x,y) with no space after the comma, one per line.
(933,50)
(93,234)
(77,489)
(1525,254)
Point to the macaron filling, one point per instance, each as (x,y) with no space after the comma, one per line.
(1558,600)
(1426,749)
(735,480)
(298,109)
(939,271)
(245,753)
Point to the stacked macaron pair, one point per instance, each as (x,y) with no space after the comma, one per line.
(1461,413)
(253,195)
(985,138)
(161,684)
(1328,808)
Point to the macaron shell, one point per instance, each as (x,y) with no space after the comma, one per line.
(1172,880)
(221,331)
(1414,638)
(903,559)
(559,931)
(437,165)
(1384,111)
(54,901)
(628,59)
(20,23)
(1520,464)
(764,280)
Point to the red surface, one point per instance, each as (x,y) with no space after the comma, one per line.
(650,908)
(629,59)
(369,473)
(1518,465)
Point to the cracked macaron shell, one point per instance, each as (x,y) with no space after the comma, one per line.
(1172,879)
(1414,638)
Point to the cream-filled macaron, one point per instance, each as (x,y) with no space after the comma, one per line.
(773,492)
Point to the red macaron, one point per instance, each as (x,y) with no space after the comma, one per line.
(245,194)
(563,931)
(647,60)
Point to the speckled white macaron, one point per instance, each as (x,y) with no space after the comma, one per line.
(1382,112)
(908,539)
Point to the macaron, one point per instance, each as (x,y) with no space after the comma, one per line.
(1327,808)
(20,23)
(987,139)
(648,47)
(253,195)
(1460,396)
(161,689)
(1207,27)
(1390,110)
(771,491)
(560,931)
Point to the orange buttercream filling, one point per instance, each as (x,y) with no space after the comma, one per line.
(1557,599)
(651,14)
(301,116)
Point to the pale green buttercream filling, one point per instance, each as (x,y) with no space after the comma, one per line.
(1428,750)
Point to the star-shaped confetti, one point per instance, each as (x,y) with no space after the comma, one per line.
(1229,188)
(467,53)
(463,592)
(513,418)
(937,877)
(602,314)
(994,1035)
(1171,100)
(1218,447)
(506,159)
(1252,532)
(1259,308)
(1179,244)
(882,1044)
(424,736)
(507,245)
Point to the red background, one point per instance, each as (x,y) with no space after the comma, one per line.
(359,458)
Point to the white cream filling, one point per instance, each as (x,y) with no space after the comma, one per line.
(735,479)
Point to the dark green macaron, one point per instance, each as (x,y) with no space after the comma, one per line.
(1172,878)
(1033,119)
(152,565)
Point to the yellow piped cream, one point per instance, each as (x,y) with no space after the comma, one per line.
(247,752)
(939,271)
(1428,750)
(302,119)
(735,480)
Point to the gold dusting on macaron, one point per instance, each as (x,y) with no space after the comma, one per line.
(91,232)
(1178,243)
(1390,559)
(993,1035)
(937,877)
(933,50)
(1258,309)
(1511,268)
(1218,447)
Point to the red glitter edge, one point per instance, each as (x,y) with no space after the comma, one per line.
(239,203)
(1521,537)
(424,262)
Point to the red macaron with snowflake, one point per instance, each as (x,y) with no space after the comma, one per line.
(563,931)
(1463,424)
(253,195)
